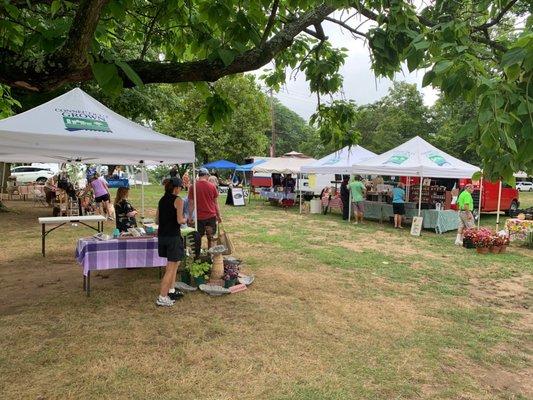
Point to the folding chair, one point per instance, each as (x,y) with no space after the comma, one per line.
(39,197)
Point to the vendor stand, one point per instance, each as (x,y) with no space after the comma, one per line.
(339,163)
(285,187)
(75,127)
(428,198)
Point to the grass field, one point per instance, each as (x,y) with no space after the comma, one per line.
(337,312)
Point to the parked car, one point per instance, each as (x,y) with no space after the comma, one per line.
(27,174)
(524,186)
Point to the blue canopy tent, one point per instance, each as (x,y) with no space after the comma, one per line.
(220,164)
(248,167)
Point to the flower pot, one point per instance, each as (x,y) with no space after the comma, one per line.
(495,249)
(199,280)
(230,282)
(503,249)
(482,250)
(185,276)
(467,243)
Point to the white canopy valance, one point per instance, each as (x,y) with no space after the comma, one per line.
(283,165)
(339,162)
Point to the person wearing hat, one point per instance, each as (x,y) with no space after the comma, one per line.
(170,244)
(465,204)
(208,212)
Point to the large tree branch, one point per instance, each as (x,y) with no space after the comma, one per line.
(271,21)
(12,74)
(81,33)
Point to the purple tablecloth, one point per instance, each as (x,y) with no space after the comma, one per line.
(93,254)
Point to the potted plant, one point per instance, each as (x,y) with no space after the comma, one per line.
(496,244)
(505,243)
(231,273)
(482,239)
(468,235)
(199,272)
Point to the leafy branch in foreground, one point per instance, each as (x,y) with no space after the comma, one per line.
(480,51)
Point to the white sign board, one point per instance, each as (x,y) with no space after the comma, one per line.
(238,196)
(416,226)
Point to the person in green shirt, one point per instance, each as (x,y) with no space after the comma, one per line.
(465,205)
(357,193)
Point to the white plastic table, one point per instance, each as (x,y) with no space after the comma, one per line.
(60,221)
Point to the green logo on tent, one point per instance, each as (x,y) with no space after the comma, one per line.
(398,158)
(437,158)
(85,124)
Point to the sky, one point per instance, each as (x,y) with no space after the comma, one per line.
(360,83)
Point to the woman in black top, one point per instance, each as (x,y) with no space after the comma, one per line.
(170,245)
(124,211)
(345,197)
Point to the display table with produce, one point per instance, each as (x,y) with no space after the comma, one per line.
(132,252)
(438,220)
(518,228)
(276,195)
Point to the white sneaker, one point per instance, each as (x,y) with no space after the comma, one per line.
(164,301)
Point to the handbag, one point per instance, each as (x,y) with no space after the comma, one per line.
(224,240)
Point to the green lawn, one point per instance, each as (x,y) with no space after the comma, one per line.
(337,311)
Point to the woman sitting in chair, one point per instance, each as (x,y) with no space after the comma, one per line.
(124,211)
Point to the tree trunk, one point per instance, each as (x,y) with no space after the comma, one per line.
(5,171)
(5,168)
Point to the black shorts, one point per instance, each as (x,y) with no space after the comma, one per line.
(171,248)
(398,208)
(104,197)
(204,223)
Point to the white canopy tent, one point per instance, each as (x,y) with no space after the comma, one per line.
(416,157)
(290,164)
(75,127)
(283,165)
(339,162)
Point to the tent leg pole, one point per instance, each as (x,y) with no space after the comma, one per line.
(2,187)
(499,204)
(142,191)
(420,197)
(349,202)
(300,190)
(194,194)
(479,205)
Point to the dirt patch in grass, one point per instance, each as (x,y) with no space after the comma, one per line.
(513,293)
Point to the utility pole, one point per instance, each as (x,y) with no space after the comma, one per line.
(273,140)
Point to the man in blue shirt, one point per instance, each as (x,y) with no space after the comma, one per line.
(398,204)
